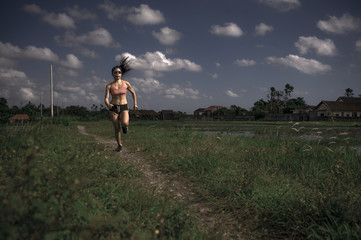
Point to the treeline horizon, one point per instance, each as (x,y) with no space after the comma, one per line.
(277,102)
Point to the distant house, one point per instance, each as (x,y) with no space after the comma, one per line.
(19,118)
(206,111)
(344,107)
(199,112)
(167,115)
(148,114)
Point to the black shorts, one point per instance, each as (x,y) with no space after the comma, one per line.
(119,108)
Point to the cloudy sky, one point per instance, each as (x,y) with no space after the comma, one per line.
(186,54)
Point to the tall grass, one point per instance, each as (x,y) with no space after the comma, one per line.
(58,184)
(283,188)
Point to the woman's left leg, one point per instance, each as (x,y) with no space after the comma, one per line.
(124,119)
(115,119)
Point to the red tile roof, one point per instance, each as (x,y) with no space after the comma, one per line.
(213,108)
(341,106)
(19,117)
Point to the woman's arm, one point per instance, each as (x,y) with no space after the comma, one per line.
(131,90)
(106,99)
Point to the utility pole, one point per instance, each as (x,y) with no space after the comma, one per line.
(41,104)
(51,91)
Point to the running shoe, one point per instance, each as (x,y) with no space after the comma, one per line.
(119,148)
(125,130)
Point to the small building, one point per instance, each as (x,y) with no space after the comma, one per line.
(148,115)
(199,112)
(339,108)
(167,115)
(19,118)
(206,111)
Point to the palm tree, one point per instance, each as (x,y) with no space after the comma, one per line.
(288,90)
(349,92)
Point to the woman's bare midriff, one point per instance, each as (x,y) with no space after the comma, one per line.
(119,100)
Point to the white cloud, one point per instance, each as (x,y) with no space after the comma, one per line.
(59,20)
(28,94)
(262,28)
(33,8)
(87,52)
(282,5)
(67,72)
(178,91)
(173,92)
(97,37)
(215,75)
(157,61)
(167,36)
(308,66)
(18,88)
(13,77)
(245,62)
(15,86)
(112,10)
(81,14)
(191,93)
(148,85)
(322,47)
(144,15)
(91,97)
(63,86)
(153,86)
(72,62)
(5,62)
(358,45)
(10,51)
(69,91)
(40,53)
(229,29)
(230,93)
(346,23)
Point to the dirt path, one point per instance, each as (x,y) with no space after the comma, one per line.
(179,189)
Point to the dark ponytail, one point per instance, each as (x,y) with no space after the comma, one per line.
(124,65)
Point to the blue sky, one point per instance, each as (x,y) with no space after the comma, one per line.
(186,54)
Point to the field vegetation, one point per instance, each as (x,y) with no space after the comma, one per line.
(58,184)
(284,181)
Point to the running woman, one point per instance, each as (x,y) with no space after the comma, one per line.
(118,107)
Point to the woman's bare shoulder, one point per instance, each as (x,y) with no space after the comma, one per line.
(126,83)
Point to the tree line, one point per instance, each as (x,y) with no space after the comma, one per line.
(277,102)
(36,112)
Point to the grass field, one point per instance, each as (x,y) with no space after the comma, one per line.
(58,184)
(284,181)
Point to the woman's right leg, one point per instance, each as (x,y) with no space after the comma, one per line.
(115,119)
(124,119)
